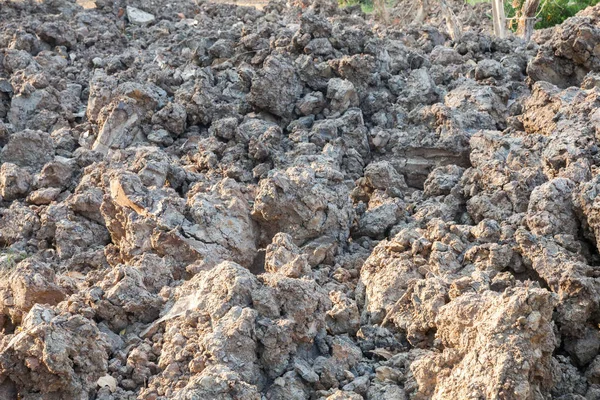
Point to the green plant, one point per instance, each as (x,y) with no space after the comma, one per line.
(550,12)
(367,6)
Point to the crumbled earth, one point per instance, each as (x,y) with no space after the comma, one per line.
(206,201)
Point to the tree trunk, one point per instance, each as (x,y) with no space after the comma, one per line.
(420,17)
(527,20)
(499,18)
(453,24)
(381,10)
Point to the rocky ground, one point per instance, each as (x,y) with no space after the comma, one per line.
(204,201)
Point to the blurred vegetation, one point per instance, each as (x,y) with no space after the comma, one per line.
(550,12)
(366,5)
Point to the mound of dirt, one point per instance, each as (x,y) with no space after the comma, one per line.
(206,201)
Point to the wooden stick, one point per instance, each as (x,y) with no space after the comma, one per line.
(420,17)
(527,20)
(381,9)
(499,18)
(453,24)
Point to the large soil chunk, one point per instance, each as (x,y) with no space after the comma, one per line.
(28,149)
(55,355)
(501,340)
(570,52)
(26,284)
(276,88)
(307,202)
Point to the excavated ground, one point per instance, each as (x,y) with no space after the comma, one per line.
(205,201)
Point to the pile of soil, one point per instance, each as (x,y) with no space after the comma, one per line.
(206,201)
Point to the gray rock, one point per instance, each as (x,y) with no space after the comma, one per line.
(305,371)
(14,181)
(341,94)
(137,16)
(276,87)
(28,148)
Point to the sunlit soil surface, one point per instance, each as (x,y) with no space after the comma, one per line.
(260,4)
(87,3)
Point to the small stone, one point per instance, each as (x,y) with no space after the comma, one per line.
(128,384)
(197,365)
(384,374)
(108,381)
(342,94)
(98,62)
(137,16)
(439,246)
(43,196)
(5,86)
(305,371)
(160,136)
(14,181)
(172,371)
